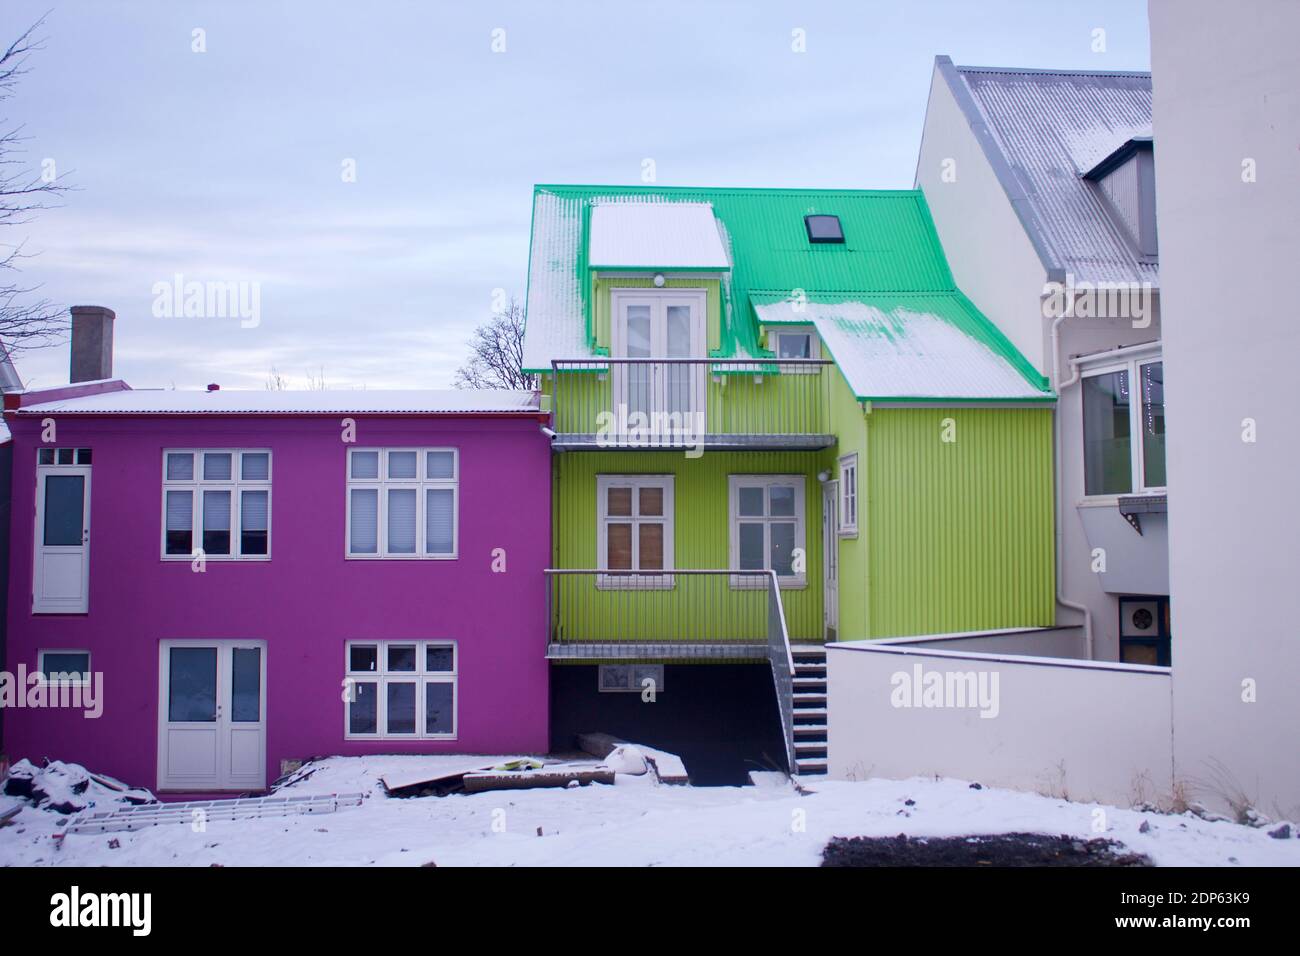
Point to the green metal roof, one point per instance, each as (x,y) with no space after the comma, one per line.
(890,247)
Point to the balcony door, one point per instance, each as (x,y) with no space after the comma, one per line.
(663,398)
(61,578)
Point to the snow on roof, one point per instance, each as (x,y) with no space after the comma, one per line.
(266,402)
(900,352)
(655,235)
(1042,131)
(555,328)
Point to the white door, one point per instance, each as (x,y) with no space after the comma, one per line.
(212,715)
(61,574)
(831,558)
(667,325)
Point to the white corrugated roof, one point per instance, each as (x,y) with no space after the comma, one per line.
(655,235)
(903,353)
(1042,131)
(249,401)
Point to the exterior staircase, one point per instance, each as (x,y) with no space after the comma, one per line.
(810,711)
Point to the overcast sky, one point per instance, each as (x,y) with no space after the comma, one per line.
(229,165)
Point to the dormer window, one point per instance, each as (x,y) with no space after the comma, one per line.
(824,229)
(1127,180)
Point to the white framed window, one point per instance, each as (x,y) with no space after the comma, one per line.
(403,503)
(799,342)
(400,690)
(67,668)
(848,489)
(1124,428)
(634,529)
(219,500)
(767,528)
(630,678)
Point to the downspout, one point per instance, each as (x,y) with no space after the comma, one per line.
(1056,485)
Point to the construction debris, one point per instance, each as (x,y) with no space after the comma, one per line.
(556,775)
(668,768)
(128,818)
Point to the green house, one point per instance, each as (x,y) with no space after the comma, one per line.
(776,422)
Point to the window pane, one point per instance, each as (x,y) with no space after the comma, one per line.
(180,467)
(255,466)
(638,331)
(751,502)
(439,521)
(401,521)
(651,540)
(1107,464)
(619,549)
(441,464)
(365,464)
(796,346)
(363,711)
(401,657)
(66,666)
(83,456)
(216,466)
(64,509)
(782,499)
(45,456)
(65,456)
(180,522)
(216,522)
(364,523)
(401,464)
(677,332)
(650,501)
(253,528)
(751,546)
(401,708)
(1153,424)
(246,685)
(619,502)
(192,684)
(439,707)
(782,547)
(439,658)
(363,658)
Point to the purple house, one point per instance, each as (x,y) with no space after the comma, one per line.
(209,585)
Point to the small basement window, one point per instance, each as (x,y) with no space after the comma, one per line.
(823,228)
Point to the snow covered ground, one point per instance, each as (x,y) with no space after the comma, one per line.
(635,822)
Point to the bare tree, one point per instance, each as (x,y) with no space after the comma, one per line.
(25,322)
(497,353)
(275,382)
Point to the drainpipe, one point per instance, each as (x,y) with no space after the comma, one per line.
(1056,489)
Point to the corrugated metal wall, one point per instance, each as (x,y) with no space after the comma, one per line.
(960,533)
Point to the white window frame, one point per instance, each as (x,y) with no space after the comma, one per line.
(617,582)
(40,666)
(381,677)
(1137,447)
(420,484)
(734,484)
(636,673)
(774,335)
(236,485)
(850,499)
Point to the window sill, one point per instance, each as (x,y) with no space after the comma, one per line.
(847,533)
(223,558)
(395,737)
(401,557)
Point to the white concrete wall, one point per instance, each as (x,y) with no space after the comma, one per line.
(995,264)
(1227,91)
(1081,730)
(1025,642)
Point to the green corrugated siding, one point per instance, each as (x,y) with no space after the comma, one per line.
(848,422)
(960,534)
(700,534)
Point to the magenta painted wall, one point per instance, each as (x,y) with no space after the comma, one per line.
(305,602)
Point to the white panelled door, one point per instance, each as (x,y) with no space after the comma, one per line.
(61,575)
(212,715)
(831,557)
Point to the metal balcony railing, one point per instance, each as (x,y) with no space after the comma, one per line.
(686,403)
(678,614)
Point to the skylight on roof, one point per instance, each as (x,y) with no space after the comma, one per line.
(822,228)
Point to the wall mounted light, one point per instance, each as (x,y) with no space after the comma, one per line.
(823,476)
(659,280)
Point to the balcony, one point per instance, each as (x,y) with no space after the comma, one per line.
(692,404)
(677,615)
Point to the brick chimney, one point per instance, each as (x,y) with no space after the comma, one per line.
(92,343)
